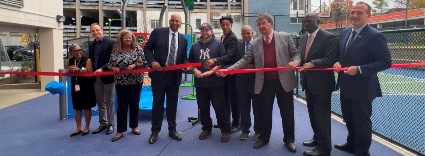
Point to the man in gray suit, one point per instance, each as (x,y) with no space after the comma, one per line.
(273,49)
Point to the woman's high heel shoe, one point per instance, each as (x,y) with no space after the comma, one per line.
(85,133)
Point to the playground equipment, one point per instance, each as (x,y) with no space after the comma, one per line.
(191,40)
(145,103)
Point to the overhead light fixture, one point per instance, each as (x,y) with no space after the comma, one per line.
(60,18)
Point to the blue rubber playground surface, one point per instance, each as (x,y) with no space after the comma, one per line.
(33,128)
(399,114)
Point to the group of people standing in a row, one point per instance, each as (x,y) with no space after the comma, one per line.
(360,50)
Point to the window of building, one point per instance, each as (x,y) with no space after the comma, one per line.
(155,24)
(198,23)
(294,5)
(295,20)
(301,5)
(215,24)
(17,3)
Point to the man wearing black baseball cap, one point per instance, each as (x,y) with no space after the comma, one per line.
(209,87)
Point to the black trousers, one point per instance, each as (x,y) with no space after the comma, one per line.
(128,97)
(356,115)
(231,100)
(319,111)
(169,90)
(285,101)
(245,91)
(215,95)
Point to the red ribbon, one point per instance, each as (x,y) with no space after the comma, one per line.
(238,71)
(105,73)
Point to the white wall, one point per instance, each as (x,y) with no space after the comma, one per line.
(38,13)
(38,16)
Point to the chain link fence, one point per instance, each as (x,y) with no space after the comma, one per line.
(399,114)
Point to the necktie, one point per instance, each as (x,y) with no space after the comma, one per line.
(246,46)
(222,37)
(308,45)
(267,39)
(172,51)
(353,36)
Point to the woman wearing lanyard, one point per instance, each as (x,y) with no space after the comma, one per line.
(126,56)
(82,91)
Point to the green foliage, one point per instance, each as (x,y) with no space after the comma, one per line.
(381,6)
(25,66)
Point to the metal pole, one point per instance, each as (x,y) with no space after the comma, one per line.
(62,98)
(34,58)
(193,39)
(186,16)
(124,12)
(110,21)
(161,15)
(407,8)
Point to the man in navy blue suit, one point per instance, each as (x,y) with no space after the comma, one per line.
(170,49)
(363,53)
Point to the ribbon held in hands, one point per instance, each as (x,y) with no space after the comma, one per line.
(104,73)
(239,71)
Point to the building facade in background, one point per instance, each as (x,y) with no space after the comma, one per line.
(41,17)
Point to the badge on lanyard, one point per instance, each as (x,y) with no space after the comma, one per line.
(77,88)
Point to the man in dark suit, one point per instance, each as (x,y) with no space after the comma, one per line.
(273,49)
(104,87)
(363,52)
(170,49)
(230,42)
(318,50)
(245,88)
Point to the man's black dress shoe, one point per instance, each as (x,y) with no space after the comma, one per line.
(100,129)
(110,130)
(76,133)
(153,137)
(259,143)
(175,135)
(117,138)
(345,147)
(310,143)
(317,152)
(291,147)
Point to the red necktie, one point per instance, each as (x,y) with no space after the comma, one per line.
(308,45)
(267,39)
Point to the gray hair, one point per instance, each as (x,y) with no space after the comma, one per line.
(314,15)
(266,16)
(247,26)
(73,45)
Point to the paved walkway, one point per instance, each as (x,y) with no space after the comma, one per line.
(11,97)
